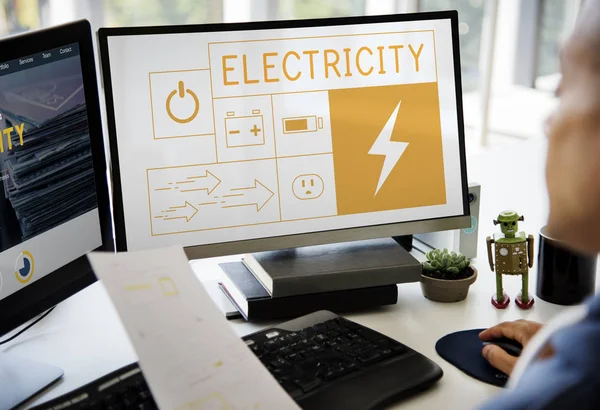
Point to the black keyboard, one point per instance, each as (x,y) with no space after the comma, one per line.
(322,360)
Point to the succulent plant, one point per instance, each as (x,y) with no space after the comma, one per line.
(445,262)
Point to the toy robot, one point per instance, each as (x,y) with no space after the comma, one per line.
(513,256)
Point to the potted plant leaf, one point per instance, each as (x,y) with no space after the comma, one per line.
(446,276)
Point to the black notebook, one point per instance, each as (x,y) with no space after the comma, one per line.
(333,267)
(255,303)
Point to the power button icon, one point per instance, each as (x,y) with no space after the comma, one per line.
(182,91)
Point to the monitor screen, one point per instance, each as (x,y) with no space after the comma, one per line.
(48,204)
(232,133)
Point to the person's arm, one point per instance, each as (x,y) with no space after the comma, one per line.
(558,369)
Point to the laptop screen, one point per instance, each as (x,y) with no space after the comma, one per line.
(48,202)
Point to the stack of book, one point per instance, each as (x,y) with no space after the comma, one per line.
(348,277)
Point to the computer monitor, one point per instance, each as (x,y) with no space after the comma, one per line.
(236,138)
(54,204)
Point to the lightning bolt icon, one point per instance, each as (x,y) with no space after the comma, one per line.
(391,150)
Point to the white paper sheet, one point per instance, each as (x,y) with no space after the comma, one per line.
(188,352)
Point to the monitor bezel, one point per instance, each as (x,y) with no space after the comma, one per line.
(301,239)
(64,282)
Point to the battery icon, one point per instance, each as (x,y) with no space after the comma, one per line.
(295,125)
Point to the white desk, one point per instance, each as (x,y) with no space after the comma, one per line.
(84,336)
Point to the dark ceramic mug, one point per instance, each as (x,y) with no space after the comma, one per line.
(564,277)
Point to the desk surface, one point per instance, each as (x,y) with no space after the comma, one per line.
(85,337)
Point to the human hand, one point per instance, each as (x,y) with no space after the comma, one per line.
(521,331)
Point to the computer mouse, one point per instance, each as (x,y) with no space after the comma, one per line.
(510,346)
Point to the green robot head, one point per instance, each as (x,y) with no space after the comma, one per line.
(509,223)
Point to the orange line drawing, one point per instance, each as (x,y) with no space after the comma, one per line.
(237,206)
(180,71)
(193,190)
(186,211)
(162,189)
(151,105)
(149,204)
(182,91)
(313,37)
(168,286)
(228,196)
(253,127)
(435,59)
(150,74)
(184,182)
(292,125)
(184,136)
(207,203)
(201,165)
(212,102)
(217,43)
(208,182)
(276,159)
(258,195)
(308,186)
(242,226)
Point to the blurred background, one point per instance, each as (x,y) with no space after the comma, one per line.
(509,48)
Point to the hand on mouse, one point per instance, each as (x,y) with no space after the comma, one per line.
(521,331)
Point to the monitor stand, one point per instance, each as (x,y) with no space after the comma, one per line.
(21,379)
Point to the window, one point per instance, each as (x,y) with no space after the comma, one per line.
(557,19)
(159,12)
(522,76)
(327,8)
(470,14)
(17,16)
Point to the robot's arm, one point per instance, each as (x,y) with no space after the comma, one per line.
(490,241)
(530,250)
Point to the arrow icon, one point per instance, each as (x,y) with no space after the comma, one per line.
(257,195)
(207,182)
(187,211)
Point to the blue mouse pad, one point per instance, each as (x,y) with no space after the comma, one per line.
(463,350)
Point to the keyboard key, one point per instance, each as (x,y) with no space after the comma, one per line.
(294,358)
(370,335)
(144,396)
(281,364)
(271,345)
(149,405)
(307,384)
(369,358)
(293,338)
(332,334)
(331,324)
(320,328)
(293,390)
(396,348)
(336,371)
(308,333)
(91,405)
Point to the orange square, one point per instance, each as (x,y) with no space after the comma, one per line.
(358,117)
